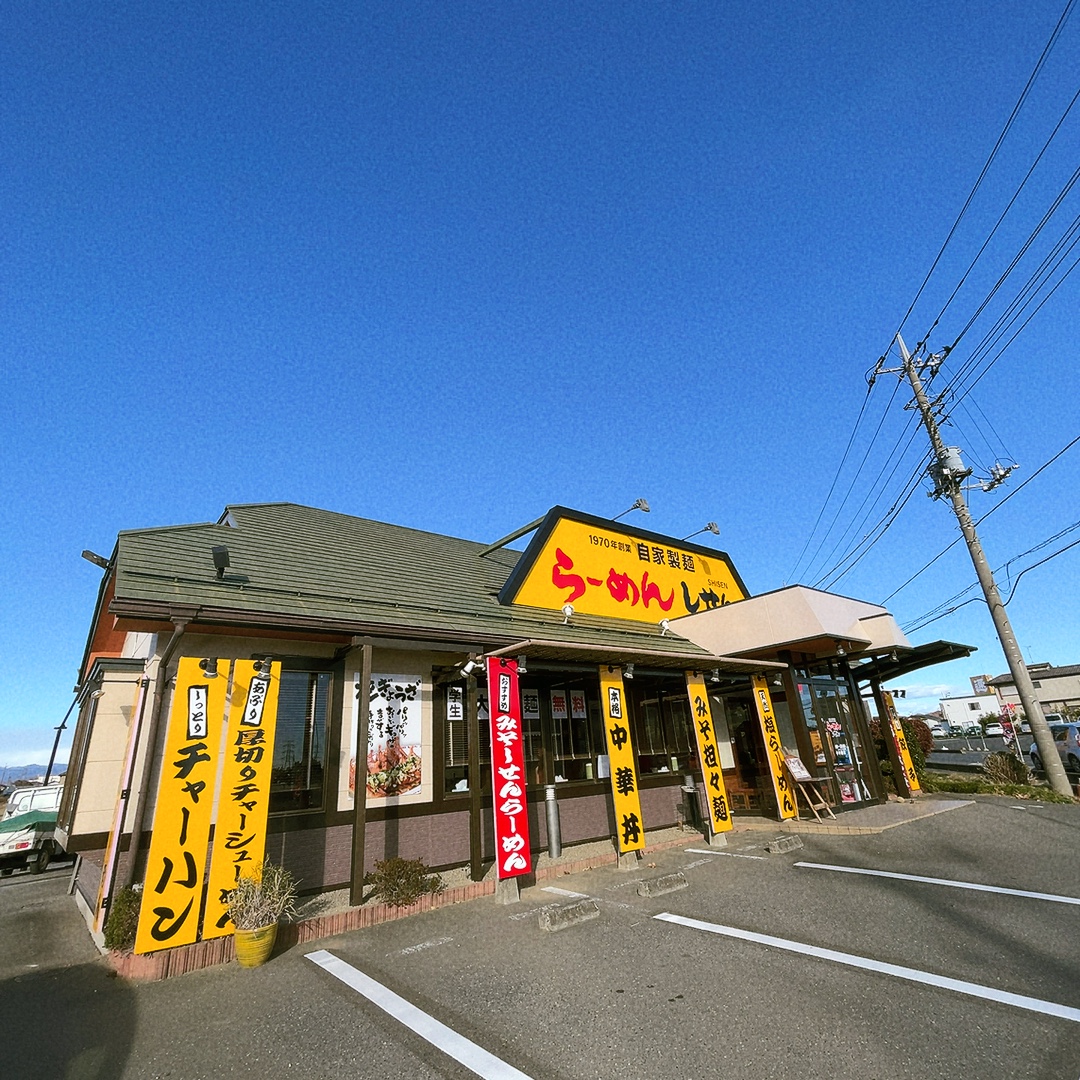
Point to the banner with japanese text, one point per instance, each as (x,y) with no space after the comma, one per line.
(708,753)
(785,797)
(903,751)
(629,827)
(240,826)
(512,855)
(176,864)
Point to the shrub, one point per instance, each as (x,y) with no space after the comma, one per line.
(1002,768)
(401,882)
(123,920)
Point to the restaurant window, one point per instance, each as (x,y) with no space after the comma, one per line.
(576,732)
(297,781)
(456,764)
(662,734)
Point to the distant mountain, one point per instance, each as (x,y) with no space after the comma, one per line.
(10,773)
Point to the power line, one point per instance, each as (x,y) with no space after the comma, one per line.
(992,510)
(1063,18)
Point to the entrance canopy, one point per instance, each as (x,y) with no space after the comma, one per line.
(883,669)
(795,620)
(578,652)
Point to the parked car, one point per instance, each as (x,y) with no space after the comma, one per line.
(1067,741)
(938,732)
(994,729)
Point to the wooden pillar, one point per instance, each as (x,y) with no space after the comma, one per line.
(356,885)
(476,830)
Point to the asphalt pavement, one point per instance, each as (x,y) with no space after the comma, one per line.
(624,994)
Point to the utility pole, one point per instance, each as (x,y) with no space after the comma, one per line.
(948,473)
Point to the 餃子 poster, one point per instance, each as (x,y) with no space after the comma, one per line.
(396,738)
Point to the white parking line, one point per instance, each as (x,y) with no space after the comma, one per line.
(473,1057)
(729,854)
(586,896)
(990,993)
(422,946)
(1052,897)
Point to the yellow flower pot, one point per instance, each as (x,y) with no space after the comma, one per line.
(253,947)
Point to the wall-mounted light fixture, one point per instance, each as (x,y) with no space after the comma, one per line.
(262,668)
(628,671)
(665,626)
(470,665)
(209,667)
(221,559)
(97,560)
(709,526)
(640,504)
(98,693)
(892,656)
(714,675)
(568,611)
(522,667)
(840,650)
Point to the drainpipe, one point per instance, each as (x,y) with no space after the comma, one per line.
(135,844)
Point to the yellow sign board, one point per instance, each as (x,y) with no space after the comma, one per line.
(708,753)
(903,751)
(785,796)
(176,864)
(240,828)
(629,828)
(602,568)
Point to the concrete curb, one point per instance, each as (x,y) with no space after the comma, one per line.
(563,916)
(666,883)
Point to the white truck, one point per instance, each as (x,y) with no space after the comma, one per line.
(26,830)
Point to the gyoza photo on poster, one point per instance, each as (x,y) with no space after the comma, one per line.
(395,738)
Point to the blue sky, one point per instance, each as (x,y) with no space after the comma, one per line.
(380,257)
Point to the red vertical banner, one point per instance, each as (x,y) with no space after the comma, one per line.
(512,856)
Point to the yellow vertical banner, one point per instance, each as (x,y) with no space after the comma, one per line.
(244,800)
(903,751)
(708,753)
(629,828)
(785,797)
(176,864)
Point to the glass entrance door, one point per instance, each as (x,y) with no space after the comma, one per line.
(828,708)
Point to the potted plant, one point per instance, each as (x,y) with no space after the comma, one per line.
(256,905)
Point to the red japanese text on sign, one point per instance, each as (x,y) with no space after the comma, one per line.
(508,770)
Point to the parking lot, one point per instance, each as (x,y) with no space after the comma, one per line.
(962,962)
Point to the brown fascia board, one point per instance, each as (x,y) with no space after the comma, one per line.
(139,609)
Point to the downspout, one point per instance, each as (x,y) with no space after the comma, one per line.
(135,844)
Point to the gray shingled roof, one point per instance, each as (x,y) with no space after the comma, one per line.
(1037,673)
(293,565)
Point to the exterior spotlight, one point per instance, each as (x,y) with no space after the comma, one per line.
(714,675)
(209,667)
(640,504)
(263,668)
(522,669)
(628,671)
(98,693)
(469,666)
(97,560)
(567,610)
(221,559)
(665,626)
(892,656)
(840,650)
(709,526)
